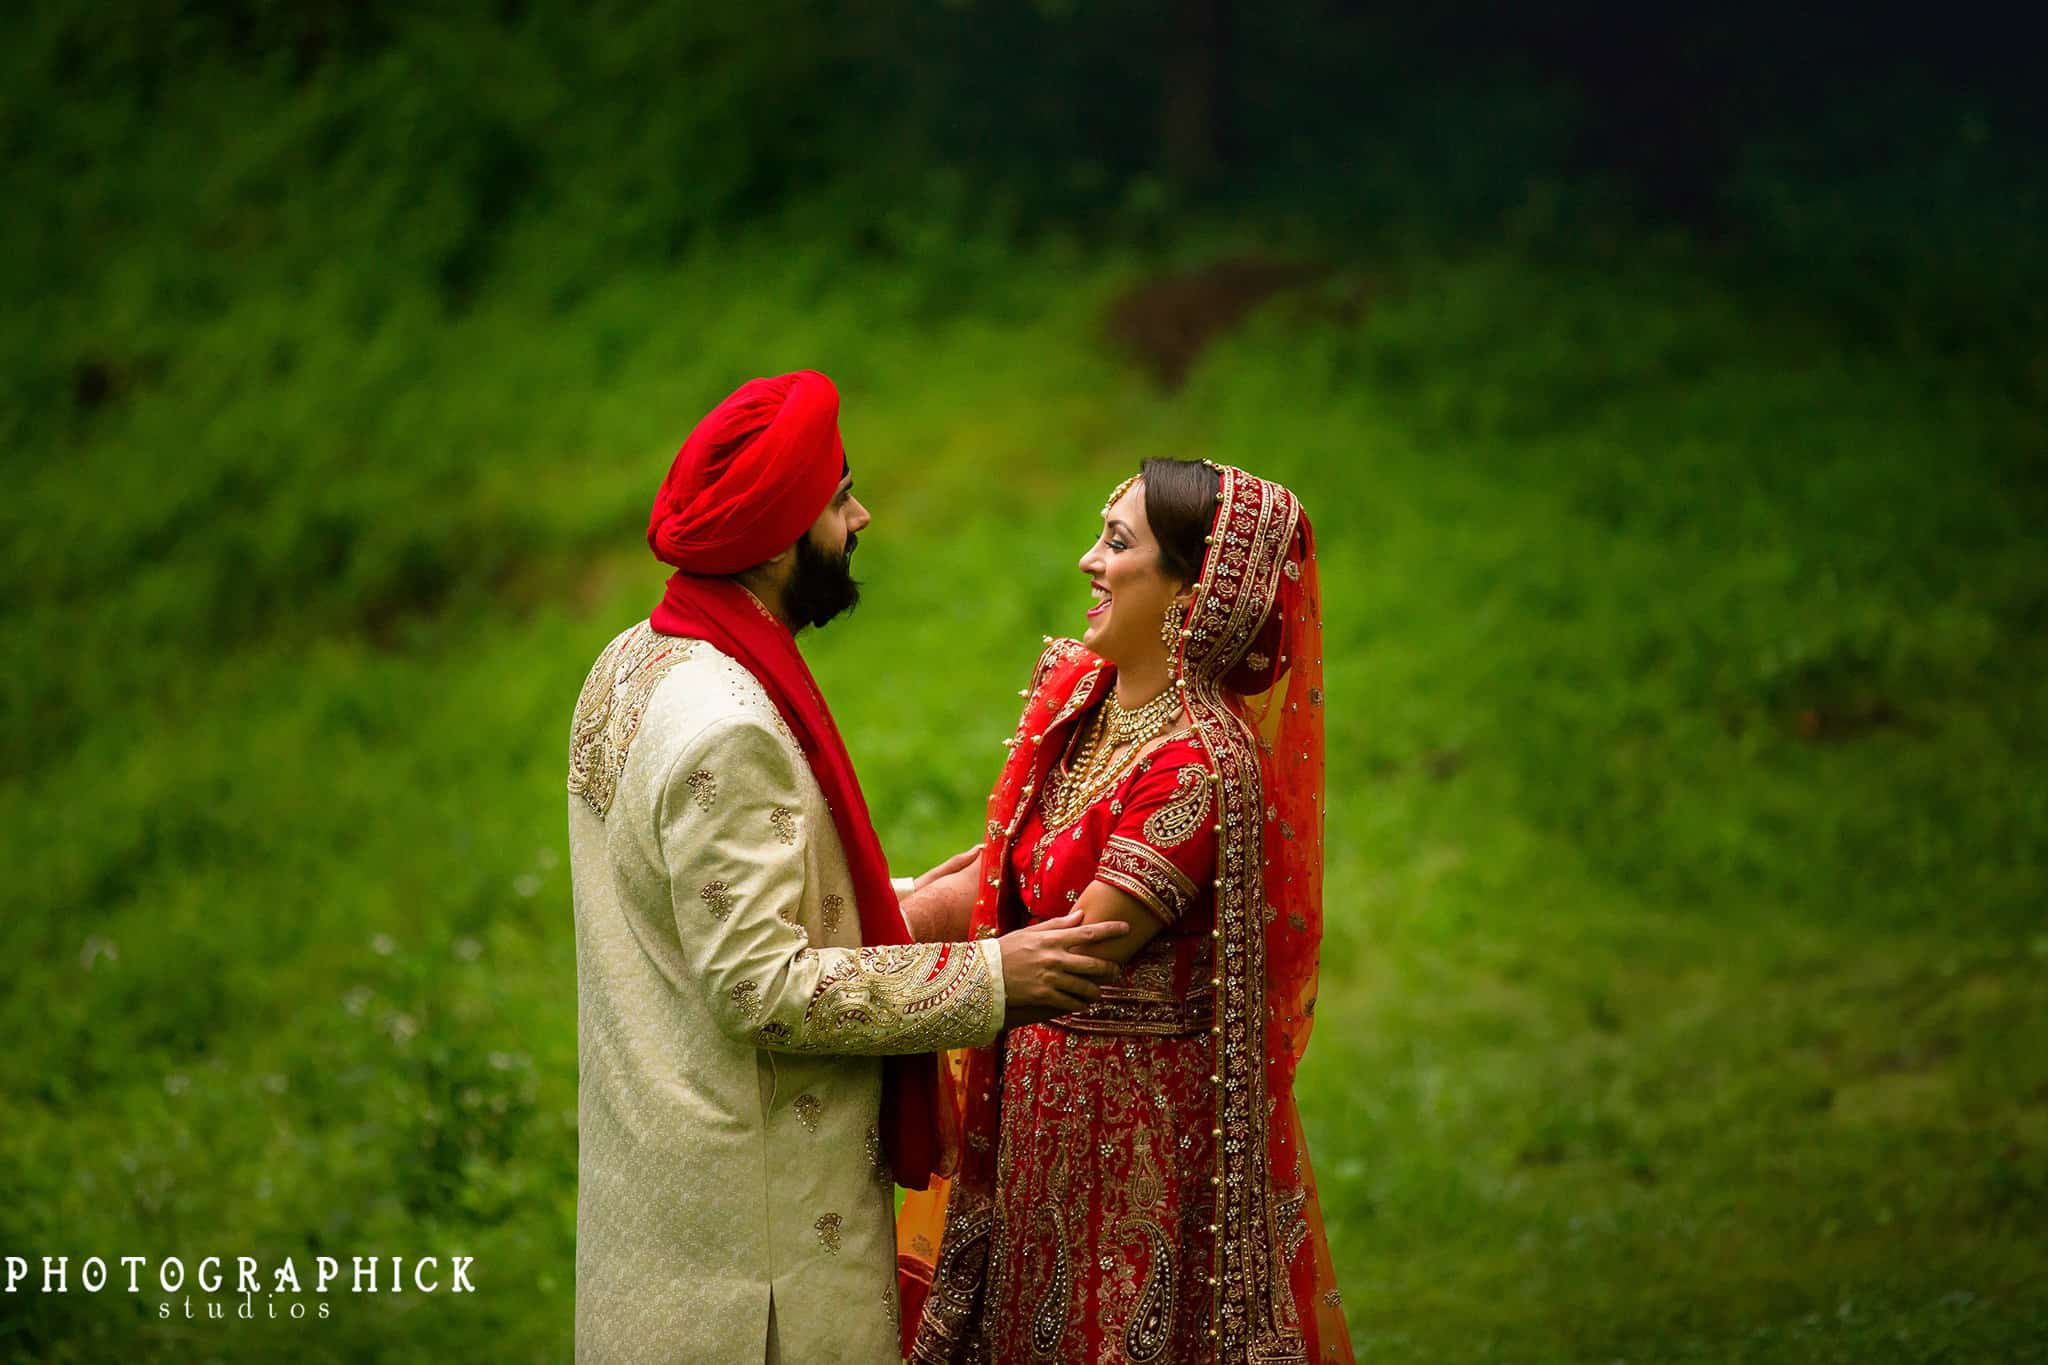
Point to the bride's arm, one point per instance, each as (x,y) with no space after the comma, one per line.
(1100,903)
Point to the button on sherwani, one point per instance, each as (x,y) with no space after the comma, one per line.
(733,1204)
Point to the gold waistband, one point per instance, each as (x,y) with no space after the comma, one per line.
(1143,1013)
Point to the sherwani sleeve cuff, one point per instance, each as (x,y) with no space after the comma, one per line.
(992,956)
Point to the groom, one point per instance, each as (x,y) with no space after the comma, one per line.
(755,1024)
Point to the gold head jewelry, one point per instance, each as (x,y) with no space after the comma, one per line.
(1118,492)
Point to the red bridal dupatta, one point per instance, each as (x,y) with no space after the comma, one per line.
(1251,662)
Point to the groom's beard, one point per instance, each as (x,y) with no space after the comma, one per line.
(822,585)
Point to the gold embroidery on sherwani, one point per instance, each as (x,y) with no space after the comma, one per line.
(788,915)
(703,786)
(829,911)
(828,1231)
(879,1167)
(608,711)
(746,998)
(1174,823)
(910,997)
(783,820)
(809,1108)
(717,898)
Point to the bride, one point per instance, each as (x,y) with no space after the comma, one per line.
(1132,1180)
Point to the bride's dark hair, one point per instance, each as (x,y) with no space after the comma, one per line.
(1180,502)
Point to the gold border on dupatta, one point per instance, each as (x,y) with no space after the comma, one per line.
(1253,1312)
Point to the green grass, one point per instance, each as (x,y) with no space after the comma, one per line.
(1652,1028)
(1685,988)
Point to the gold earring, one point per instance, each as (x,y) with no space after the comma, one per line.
(1169,629)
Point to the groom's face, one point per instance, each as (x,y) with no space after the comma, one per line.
(821,583)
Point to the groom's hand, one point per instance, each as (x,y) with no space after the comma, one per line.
(1046,973)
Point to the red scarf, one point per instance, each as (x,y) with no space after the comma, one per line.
(731,620)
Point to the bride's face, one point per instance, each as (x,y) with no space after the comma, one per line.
(1129,590)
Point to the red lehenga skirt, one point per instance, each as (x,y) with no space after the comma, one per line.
(1100,1248)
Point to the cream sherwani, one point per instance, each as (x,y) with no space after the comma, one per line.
(732,1200)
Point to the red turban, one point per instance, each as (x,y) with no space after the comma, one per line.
(754,475)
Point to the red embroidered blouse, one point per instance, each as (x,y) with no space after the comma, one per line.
(1153,836)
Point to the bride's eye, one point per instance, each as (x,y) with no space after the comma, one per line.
(1116,543)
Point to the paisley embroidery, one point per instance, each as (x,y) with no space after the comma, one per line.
(717,898)
(1148,1186)
(746,998)
(609,709)
(1049,1319)
(783,820)
(828,1231)
(1174,823)
(945,1329)
(703,785)
(829,911)
(1150,1329)
(1287,1213)
(909,997)
(809,1109)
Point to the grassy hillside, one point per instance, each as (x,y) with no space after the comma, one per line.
(1686,983)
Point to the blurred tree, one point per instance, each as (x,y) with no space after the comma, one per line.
(1196,100)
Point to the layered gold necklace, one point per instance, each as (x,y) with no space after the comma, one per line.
(1109,746)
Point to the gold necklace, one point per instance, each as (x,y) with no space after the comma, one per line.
(1097,767)
(1137,726)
